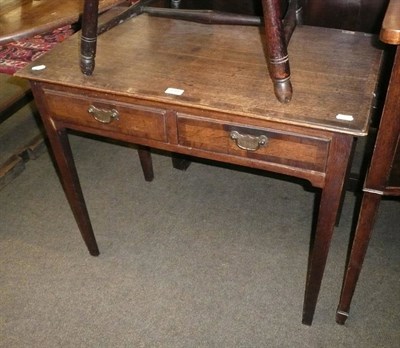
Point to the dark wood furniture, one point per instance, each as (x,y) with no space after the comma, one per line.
(365,16)
(189,89)
(279,17)
(357,15)
(26,18)
(383,177)
(14,94)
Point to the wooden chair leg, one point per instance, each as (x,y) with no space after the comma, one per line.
(89,36)
(146,162)
(368,212)
(277,55)
(329,205)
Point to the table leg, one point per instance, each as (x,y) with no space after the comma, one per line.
(69,178)
(330,201)
(276,47)
(146,162)
(180,162)
(368,212)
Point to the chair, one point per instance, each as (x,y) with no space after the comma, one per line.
(383,177)
(279,23)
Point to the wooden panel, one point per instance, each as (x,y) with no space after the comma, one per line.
(356,15)
(285,148)
(14,93)
(133,120)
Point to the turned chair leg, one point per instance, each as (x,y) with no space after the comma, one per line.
(277,55)
(89,36)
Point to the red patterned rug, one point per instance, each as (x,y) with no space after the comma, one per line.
(15,55)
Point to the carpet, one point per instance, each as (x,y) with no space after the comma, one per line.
(15,55)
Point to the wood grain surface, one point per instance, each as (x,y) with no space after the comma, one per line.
(224,68)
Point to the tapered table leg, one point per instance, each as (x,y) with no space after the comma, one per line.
(69,177)
(330,201)
(146,162)
(368,212)
(180,162)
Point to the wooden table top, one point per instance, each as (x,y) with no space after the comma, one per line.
(223,68)
(24,18)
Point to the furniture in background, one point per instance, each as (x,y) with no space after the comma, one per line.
(20,22)
(16,94)
(26,18)
(383,177)
(31,28)
(188,89)
(28,30)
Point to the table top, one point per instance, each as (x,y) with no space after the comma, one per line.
(24,18)
(223,68)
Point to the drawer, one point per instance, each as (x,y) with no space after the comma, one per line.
(102,114)
(281,147)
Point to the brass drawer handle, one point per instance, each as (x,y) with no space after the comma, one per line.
(248,142)
(103,115)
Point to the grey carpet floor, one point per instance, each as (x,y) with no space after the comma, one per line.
(209,257)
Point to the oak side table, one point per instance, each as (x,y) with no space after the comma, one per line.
(189,89)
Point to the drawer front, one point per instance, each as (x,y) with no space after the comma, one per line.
(261,144)
(106,115)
